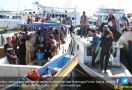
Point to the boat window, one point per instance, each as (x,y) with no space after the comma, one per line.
(60,15)
(94,23)
(100,16)
(19,17)
(90,22)
(73,18)
(14,17)
(56,15)
(5,17)
(30,12)
(78,32)
(63,16)
(25,12)
(53,16)
(1,16)
(89,51)
(106,17)
(77,47)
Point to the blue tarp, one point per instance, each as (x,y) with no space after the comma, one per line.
(59,62)
(43,25)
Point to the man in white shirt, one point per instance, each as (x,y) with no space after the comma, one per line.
(84,24)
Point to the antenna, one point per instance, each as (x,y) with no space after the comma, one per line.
(67,4)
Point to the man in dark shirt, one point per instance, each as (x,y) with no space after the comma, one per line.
(22,50)
(10,52)
(106,43)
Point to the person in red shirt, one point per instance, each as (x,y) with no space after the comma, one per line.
(84,24)
(14,43)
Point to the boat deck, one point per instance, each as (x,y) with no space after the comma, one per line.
(112,72)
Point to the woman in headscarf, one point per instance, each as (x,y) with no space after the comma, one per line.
(29,49)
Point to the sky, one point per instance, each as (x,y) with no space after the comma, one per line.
(82,5)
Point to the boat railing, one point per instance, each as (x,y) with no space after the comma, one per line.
(84,41)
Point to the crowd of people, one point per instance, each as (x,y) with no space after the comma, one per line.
(35,47)
(43,44)
(47,19)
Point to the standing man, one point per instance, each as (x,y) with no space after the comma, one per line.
(94,46)
(10,52)
(106,44)
(84,24)
(22,49)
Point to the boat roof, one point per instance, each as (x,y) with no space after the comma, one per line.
(44,25)
(111,9)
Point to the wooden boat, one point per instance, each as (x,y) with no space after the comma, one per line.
(21,70)
(56,70)
(80,46)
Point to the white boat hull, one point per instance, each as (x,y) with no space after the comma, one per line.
(10,23)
